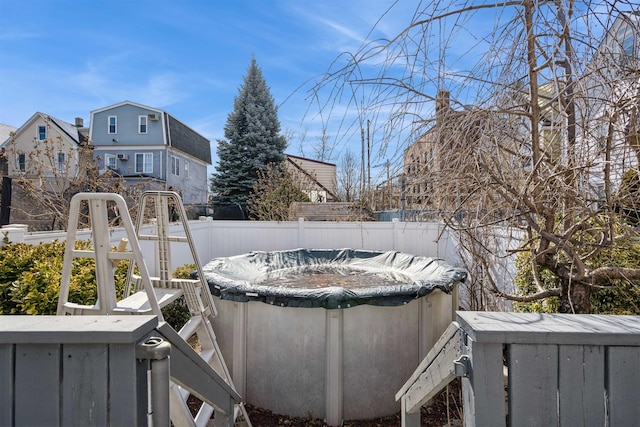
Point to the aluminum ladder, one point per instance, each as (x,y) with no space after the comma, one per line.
(144,293)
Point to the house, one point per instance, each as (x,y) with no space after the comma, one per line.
(612,110)
(317,179)
(45,148)
(439,156)
(5,132)
(147,145)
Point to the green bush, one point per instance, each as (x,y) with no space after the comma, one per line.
(614,297)
(177,313)
(30,280)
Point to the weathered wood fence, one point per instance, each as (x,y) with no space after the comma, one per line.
(523,369)
(100,370)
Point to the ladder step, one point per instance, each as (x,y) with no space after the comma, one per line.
(167,238)
(204,415)
(139,302)
(190,327)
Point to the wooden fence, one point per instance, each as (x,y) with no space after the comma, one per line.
(100,370)
(524,369)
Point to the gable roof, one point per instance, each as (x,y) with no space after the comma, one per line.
(5,132)
(68,129)
(126,102)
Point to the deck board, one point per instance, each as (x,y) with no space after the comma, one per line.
(531,328)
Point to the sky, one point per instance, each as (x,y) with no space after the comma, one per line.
(66,58)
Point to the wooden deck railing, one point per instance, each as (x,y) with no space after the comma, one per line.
(535,370)
(100,370)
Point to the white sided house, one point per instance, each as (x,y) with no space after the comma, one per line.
(44,147)
(147,145)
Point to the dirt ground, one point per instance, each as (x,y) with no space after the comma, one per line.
(444,410)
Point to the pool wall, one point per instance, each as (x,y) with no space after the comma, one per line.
(340,364)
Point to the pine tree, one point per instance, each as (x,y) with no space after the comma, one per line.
(252,141)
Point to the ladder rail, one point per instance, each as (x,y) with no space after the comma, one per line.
(196,292)
(102,254)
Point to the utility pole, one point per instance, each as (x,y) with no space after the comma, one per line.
(368,157)
(362,173)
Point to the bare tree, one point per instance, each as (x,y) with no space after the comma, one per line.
(274,192)
(348,175)
(53,171)
(533,135)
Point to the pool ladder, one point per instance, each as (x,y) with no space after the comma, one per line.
(144,294)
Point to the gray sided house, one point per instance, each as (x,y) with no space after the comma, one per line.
(148,145)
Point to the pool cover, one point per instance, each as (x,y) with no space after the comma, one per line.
(329,278)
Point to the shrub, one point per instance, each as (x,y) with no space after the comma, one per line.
(616,297)
(30,280)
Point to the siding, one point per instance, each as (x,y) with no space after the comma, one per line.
(127,129)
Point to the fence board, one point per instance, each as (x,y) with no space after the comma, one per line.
(533,384)
(581,385)
(127,396)
(623,373)
(37,394)
(6,384)
(85,385)
(483,392)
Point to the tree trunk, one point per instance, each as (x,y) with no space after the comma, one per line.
(575,298)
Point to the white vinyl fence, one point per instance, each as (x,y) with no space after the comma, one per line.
(227,238)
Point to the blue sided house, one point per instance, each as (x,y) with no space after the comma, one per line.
(149,147)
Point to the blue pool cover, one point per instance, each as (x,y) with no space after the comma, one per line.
(329,278)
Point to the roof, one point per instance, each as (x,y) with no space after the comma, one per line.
(309,160)
(179,135)
(5,132)
(68,129)
(185,139)
(119,104)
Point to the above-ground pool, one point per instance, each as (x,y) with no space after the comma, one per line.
(331,334)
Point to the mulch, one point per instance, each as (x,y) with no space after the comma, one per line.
(444,410)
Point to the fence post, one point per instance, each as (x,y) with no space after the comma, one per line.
(13,232)
(155,351)
(301,233)
(395,222)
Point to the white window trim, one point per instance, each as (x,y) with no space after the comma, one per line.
(115,125)
(18,168)
(61,165)
(146,124)
(147,162)
(186,169)
(175,165)
(108,157)
(38,132)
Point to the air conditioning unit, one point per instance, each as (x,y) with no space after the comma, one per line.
(123,157)
(153,117)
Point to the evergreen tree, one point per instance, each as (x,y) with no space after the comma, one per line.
(253,141)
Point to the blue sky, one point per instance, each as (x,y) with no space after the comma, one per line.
(66,58)
(188,57)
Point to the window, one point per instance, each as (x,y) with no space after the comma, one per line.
(61,162)
(21,161)
(110,161)
(627,46)
(186,169)
(142,124)
(175,165)
(112,124)
(42,132)
(144,162)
